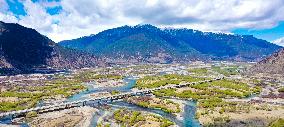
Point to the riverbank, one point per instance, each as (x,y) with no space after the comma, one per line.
(181,103)
(79,116)
(100,83)
(249,115)
(126,117)
(165,105)
(98,94)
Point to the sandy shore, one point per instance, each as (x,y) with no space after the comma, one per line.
(9,99)
(106,83)
(182,106)
(108,119)
(254,117)
(101,119)
(5,125)
(79,116)
(98,94)
(54,100)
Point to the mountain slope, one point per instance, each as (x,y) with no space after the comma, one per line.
(273,64)
(147,42)
(224,45)
(24,48)
(143,43)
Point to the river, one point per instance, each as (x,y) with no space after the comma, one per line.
(188,115)
(188,119)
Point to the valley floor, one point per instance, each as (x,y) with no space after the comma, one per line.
(236,100)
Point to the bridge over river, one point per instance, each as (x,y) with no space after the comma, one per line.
(66,105)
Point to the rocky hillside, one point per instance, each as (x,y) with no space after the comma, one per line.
(151,44)
(273,64)
(23,48)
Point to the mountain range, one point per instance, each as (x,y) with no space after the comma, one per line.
(23,49)
(147,43)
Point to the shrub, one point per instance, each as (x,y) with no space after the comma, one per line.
(277,123)
(281,89)
(31,114)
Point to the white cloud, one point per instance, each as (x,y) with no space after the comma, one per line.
(46,3)
(84,17)
(279,41)
(37,17)
(5,14)
(3,6)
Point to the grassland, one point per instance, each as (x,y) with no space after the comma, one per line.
(219,89)
(29,92)
(128,118)
(92,75)
(277,123)
(157,81)
(28,96)
(157,103)
(210,97)
(224,70)
(227,71)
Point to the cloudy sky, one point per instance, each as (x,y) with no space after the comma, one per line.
(68,19)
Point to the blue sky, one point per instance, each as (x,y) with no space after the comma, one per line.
(17,7)
(269,34)
(68,19)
